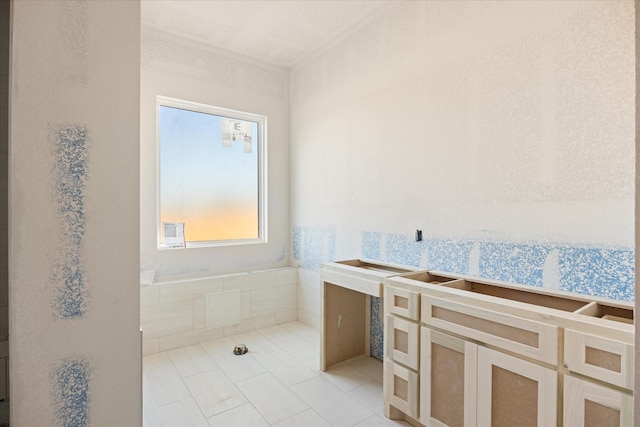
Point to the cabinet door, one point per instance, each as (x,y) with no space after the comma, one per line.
(448,370)
(514,392)
(401,388)
(592,405)
(402,341)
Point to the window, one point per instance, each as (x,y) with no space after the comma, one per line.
(212,175)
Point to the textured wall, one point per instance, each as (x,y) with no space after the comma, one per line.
(183,69)
(74,214)
(503,130)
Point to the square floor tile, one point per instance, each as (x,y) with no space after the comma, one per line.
(287,369)
(221,344)
(162,386)
(184,413)
(245,416)
(309,418)
(369,366)
(157,360)
(370,395)
(273,331)
(238,368)
(313,362)
(296,346)
(256,343)
(303,331)
(382,421)
(331,403)
(191,360)
(346,377)
(271,398)
(214,392)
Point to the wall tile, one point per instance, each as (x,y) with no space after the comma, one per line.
(166,319)
(245,305)
(200,314)
(151,346)
(250,325)
(287,316)
(174,292)
(273,300)
(249,281)
(223,309)
(189,338)
(309,295)
(311,318)
(287,276)
(149,295)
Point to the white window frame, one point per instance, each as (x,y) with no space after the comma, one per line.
(262,169)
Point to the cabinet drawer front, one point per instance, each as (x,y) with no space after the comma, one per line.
(402,341)
(586,403)
(402,302)
(401,388)
(600,358)
(523,336)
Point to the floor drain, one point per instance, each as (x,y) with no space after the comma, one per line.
(240,349)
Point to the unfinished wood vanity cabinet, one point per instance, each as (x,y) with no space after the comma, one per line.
(501,354)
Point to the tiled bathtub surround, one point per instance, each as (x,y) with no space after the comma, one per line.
(601,271)
(184,312)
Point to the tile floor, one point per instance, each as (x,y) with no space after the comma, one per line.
(277,383)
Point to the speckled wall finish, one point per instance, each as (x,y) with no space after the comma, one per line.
(183,69)
(70,171)
(75,356)
(503,130)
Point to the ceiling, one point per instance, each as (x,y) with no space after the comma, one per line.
(280,32)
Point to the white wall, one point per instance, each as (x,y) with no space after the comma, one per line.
(183,69)
(75,356)
(507,121)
